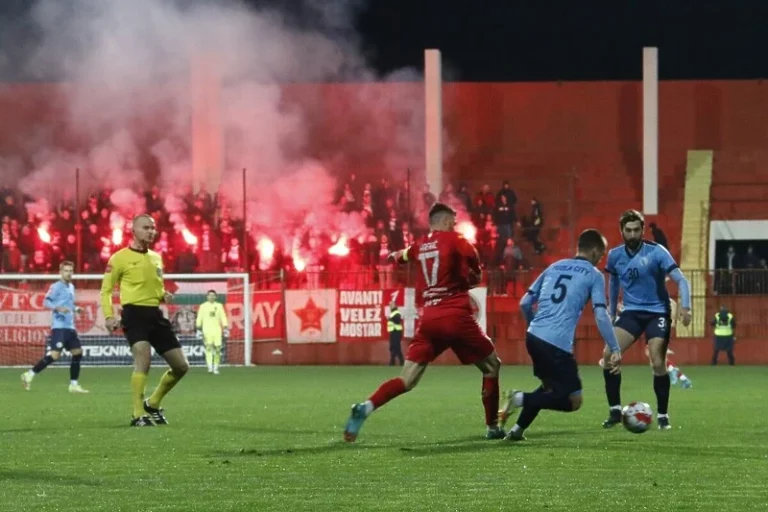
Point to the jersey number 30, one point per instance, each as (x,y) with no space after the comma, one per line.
(561,290)
(430,259)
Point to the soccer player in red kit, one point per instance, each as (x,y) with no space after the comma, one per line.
(449,266)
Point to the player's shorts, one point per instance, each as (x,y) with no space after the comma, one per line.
(62,339)
(461,333)
(147,323)
(212,337)
(653,325)
(556,368)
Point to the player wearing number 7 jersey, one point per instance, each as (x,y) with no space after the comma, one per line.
(561,293)
(448,267)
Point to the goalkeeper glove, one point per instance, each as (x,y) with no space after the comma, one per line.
(199,334)
(226,332)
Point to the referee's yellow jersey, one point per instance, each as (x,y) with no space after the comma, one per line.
(140,276)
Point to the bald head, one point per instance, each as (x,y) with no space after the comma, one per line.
(144,231)
(142,219)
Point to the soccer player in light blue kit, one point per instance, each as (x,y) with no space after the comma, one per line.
(561,293)
(60,299)
(639,269)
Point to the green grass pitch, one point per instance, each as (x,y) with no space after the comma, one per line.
(269,438)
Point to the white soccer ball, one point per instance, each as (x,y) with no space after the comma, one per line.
(637,417)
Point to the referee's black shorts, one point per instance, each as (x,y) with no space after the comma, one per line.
(147,323)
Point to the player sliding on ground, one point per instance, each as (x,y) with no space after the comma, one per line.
(60,299)
(211,328)
(139,273)
(449,267)
(639,269)
(561,293)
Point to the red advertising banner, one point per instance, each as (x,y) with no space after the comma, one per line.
(24,318)
(267,315)
(361,315)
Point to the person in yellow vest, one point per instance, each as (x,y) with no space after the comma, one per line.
(724,325)
(212,327)
(395,330)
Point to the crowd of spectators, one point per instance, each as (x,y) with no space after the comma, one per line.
(202,235)
(742,273)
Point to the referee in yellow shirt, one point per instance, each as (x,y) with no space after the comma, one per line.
(211,328)
(138,272)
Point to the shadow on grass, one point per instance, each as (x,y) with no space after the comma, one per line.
(39,477)
(459,445)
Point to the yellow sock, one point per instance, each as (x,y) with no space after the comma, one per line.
(216,356)
(167,381)
(138,383)
(208,355)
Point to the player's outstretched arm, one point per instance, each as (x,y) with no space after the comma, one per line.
(401,256)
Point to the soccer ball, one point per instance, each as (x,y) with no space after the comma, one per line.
(637,417)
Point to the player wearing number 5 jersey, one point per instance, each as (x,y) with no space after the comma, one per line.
(639,270)
(561,293)
(448,267)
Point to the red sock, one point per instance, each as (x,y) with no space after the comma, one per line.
(491,400)
(387,391)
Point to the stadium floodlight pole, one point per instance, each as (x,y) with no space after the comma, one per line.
(79,226)
(433,125)
(650,131)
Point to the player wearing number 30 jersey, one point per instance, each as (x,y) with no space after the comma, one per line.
(447,267)
(638,270)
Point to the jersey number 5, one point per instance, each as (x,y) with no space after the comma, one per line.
(561,291)
(428,259)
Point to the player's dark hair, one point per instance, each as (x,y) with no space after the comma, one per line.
(591,239)
(631,216)
(66,263)
(211,291)
(439,209)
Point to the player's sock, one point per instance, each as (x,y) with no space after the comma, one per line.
(138,383)
(74,368)
(527,415)
(167,381)
(612,388)
(661,384)
(216,357)
(209,356)
(41,365)
(490,392)
(387,391)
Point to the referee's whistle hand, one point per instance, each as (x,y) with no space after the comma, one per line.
(111,324)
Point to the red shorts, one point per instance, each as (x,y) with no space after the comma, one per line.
(460,333)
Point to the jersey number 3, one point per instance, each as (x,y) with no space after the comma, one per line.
(561,290)
(430,259)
